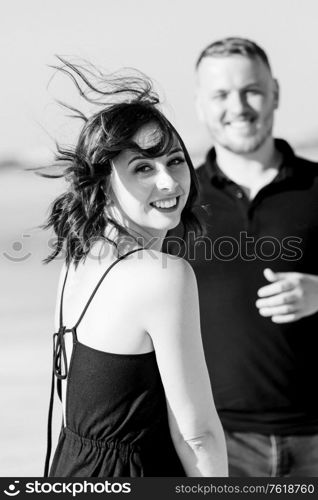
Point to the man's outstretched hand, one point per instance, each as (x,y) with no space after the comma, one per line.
(289,297)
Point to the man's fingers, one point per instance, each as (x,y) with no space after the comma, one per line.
(278,300)
(286,318)
(278,311)
(273,276)
(270,275)
(275,288)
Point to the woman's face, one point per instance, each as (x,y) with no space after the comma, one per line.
(150,193)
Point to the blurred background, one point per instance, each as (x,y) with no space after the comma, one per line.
(162,39)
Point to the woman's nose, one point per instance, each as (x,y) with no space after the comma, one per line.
(165,181)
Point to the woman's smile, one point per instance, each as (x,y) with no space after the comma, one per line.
(166,204)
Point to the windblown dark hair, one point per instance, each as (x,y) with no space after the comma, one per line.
(127,103)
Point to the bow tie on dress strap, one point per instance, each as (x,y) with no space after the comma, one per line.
(59,354)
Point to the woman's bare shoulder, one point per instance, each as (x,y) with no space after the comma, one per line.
(156,270)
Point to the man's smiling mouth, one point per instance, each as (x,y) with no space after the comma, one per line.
(241,122)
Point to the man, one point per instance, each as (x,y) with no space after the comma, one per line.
(257,268)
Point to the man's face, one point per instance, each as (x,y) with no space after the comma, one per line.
(236,99)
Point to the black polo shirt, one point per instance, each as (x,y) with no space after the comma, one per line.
(264,375)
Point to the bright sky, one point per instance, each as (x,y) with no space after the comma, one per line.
(161,38)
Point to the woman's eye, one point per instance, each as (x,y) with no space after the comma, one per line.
(176,161)
(143,169)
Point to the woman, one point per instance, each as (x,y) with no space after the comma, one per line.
(136,395)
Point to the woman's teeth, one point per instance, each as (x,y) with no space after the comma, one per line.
(165,203)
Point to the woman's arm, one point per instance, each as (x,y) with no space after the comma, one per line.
(173,322)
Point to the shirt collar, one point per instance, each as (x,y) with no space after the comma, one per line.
(286,169)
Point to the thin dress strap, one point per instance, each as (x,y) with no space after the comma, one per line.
(59,353)
(100,282)
(62,296)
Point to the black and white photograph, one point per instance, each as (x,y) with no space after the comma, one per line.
(159,242)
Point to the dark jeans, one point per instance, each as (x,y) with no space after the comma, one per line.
(253,454)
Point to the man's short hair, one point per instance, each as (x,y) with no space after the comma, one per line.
(234,45)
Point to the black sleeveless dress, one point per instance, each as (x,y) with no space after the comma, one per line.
(116,422)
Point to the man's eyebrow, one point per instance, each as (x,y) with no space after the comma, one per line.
(253,84)
(177,149)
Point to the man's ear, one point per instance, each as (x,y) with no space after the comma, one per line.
(276,92)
